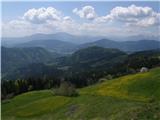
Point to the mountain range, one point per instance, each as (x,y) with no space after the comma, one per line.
(61,42)
(57,46)
(65,55)
(76,39)
(63,47)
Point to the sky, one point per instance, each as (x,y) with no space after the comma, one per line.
(81,18)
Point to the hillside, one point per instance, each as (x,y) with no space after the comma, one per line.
(132,97)
(13,58)
(95,53)
(33,70)
(93,57)
(141,86)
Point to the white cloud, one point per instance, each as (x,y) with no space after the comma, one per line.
(147,22)
(42,15)
(67,18)
(42,20)
(120,21)
(132,15)
(17,28)
(87,12)
(104,19)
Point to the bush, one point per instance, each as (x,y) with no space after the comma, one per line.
(30,88)
(108,77)
(66,89)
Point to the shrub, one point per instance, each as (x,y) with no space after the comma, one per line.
(30,88)
(66,89)
(108,77)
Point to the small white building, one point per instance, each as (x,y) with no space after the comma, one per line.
(144,69)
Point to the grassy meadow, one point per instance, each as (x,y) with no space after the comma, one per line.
(131,97)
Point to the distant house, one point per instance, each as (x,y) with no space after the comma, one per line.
(144,69)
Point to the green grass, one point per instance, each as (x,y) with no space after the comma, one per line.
(132,97)
(141,86)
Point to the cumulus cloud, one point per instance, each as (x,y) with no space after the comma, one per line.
(42,15)
(17,28)
(41,20)
(121,20)
(87,12)
(67,18)
(104,19)
(146,22)
(132,15)
(149,21)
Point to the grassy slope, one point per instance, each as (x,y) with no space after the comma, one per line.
(142,86)
(124,98)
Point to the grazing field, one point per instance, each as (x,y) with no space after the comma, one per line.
(131,97)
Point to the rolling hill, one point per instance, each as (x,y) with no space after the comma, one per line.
(131,97)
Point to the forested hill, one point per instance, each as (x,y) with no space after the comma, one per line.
(13,58)
(84,63)
(93,57)
(83,60)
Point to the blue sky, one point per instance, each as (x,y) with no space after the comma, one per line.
(88,18)
(12,10)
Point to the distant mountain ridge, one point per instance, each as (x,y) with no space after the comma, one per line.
(68,48)
(68,43)
(75,39)
(51,45)
(127,46)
